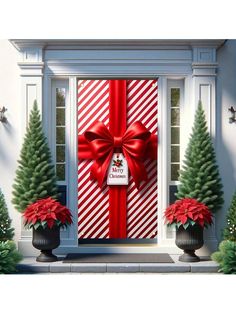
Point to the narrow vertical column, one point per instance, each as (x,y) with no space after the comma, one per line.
(204,86)
(31,71)
(117,126)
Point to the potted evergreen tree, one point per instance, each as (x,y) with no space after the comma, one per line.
(199,179)
(36,187)
(45,217)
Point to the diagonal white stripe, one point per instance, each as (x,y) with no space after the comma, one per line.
(130,195)
(100,213)
(137,107)
(140,211)
(82,94)
(88,202)
(95,226)
(133,90)
(104,201)
(104,233)
(154,128)
(82,173)
(85,178)
(83,104)
(140,226)
(85,83)
(100,229)
(142,113)
(140,202)
(129,86)
(152,232)
(154,224)
(87,188)
(92,107)
(148,116)
(138,93)
(91,118)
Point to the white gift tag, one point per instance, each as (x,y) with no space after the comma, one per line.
(117,173)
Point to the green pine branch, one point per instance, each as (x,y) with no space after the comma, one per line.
(6,231)
(199,177)
(35,176)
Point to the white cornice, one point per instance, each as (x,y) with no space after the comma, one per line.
(31,65)
(146,44)
(31,68)
(204,65)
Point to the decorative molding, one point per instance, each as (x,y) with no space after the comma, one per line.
(204,69)
(200,65)
(31,68)
(110,44)
(204,55)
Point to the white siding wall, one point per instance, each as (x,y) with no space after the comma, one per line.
(226,132)
(10,132)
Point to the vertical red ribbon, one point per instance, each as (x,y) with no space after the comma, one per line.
(117,127)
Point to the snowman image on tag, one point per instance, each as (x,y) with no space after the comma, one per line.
(117,173)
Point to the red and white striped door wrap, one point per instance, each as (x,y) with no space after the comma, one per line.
(93,201)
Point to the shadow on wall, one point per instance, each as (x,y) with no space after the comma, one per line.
(225,132)
(6,133)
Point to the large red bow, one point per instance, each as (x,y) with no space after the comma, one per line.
(136,143)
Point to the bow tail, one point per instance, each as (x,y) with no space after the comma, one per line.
(84,151)
(99,168)
(137,169)
(151,150)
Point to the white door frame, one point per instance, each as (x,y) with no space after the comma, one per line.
(69,241)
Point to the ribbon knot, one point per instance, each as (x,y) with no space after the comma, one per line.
(117,141)
(136,143)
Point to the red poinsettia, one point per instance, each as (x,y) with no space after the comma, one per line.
(47,213)
(188,211)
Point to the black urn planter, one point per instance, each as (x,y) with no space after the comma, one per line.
(189,240)
(46,240)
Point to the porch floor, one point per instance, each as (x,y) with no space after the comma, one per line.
(29,266)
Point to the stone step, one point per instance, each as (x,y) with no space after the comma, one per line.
(29,265)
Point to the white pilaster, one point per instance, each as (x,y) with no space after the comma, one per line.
(204,88)
(31,71)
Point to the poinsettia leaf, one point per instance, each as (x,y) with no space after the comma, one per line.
(186,225)
(36,225)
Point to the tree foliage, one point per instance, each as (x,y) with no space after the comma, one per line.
(6,231)
(226,257)
(230,229)
(199,176)
(9,257)
(35,176)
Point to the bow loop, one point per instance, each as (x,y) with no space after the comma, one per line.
(100,139)
(137,131)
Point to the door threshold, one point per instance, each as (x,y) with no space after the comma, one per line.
(116,242)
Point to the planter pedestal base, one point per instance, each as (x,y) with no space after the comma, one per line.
(189,240)
(189,256)
(46,240)
(46,256)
